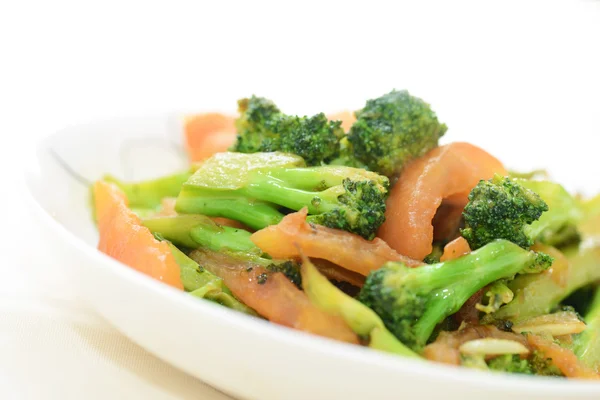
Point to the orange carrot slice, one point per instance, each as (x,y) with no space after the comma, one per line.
(207,134)
(563,358)
(124,238)
(273,296)
(455,249)
(347,118)
(447,172)
(340,247)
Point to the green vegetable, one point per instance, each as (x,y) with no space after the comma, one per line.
(198,231)
(587,344)
(252,188)
(557,226)
(392,130)
(193,230)
(203,284)
(149,194)
(497,294)
(540,294)
(535,364)
(412,301)
(361,319)
(501,209)
(262,127)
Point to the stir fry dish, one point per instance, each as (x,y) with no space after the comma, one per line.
(360,227)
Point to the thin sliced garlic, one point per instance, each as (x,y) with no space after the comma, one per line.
(557,324)
(492,347)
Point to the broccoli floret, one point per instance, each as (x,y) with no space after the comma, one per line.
(497,294)
(412,301)
(587,344)
(262,127)
(535,364)
(198,231)
(511,363)
(501,209)
(392,130)
(252,188)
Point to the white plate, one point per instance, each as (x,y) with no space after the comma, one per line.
(245,357)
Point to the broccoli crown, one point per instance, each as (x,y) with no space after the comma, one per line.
(387,292)
(501,209)
(392,130)
(252,125)
(511,363)
(263,128)
(536,364)
(412,301)
(360,209)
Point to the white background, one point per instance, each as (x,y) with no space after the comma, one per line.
(515,77)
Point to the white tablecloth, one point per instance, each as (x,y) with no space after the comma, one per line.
(525,66)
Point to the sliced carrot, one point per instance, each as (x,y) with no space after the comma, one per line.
(273,296)
(340,247)
(455,249)
(124,238)
(447,172)
(207,134)
(347,118)
(563,358)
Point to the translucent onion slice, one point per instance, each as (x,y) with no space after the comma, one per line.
(492,347)
(557,324)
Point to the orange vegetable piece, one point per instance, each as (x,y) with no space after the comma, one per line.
(273,296)
(207,134)
(124,238)
(340,247)
(447,172)
(563,358)
(347,118)
(455,249)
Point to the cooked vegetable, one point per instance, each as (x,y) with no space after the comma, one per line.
(412,302)
(205,285)
(123,237)
(273,296)
(198,231)
(392,130)
(501,209)
(539,294)
(557,226)
(207,134)
(587,344)
(262,127)
(360,318)
(252,187)
(149,194)
(342,248)
(358,227)
(446,172)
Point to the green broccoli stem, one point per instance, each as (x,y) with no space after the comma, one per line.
(468,274)
(265,187)
(149,194)
(203,284)
(587,344)
(195,231)
(255,214)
